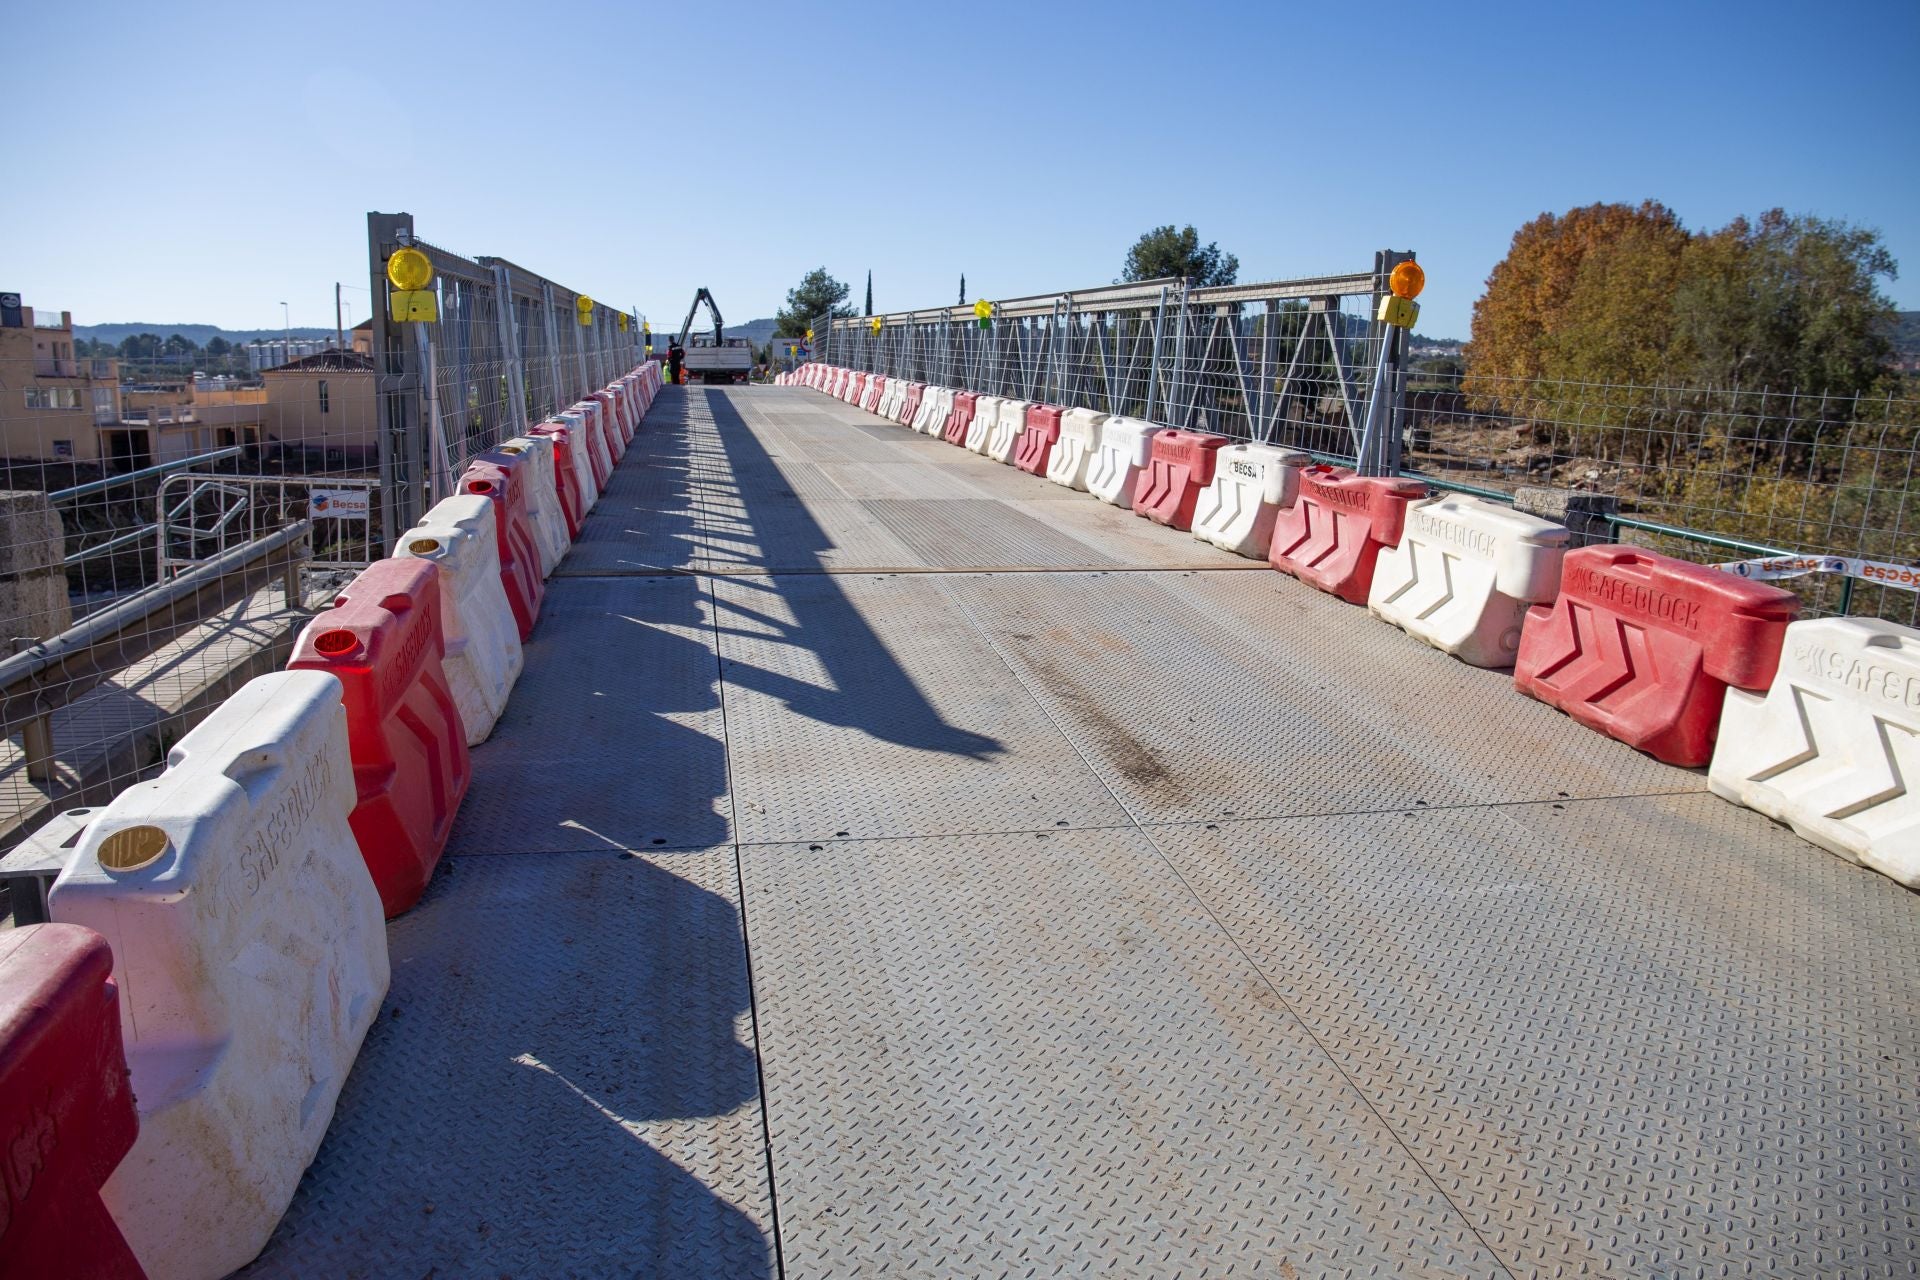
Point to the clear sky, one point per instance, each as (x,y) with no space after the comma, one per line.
(202,163)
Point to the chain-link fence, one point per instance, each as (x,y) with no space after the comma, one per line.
(174,511)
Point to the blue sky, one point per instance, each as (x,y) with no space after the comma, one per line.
(201,163)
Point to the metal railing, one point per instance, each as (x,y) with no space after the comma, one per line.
(508,350)
(1295,362)
(54,673)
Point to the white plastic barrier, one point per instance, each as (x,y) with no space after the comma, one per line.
(1464,573)
(543,500)
(1832,748)
(251,957)
(1004,438)
(483,654)
(585,421)
(906,400)
(928,399)
(850,387)
(986,416)
(1073,452)
(1252,484)
(934,410)
(892,398)
(1125,446)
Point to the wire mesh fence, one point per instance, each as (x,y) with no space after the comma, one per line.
(172,513)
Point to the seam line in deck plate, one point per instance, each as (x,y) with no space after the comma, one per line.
(1366,1099)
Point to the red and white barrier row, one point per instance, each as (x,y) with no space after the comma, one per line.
(1815,722)
(165,1029)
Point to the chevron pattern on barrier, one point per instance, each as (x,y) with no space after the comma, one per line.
(1833,748)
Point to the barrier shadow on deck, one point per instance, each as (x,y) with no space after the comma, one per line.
(557,1084)
(867,688)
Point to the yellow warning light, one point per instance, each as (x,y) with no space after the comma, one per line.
(1403,313)
(876,324)
(622,317)
(982,310)
(408,269)
(1407,280)
(809,335)
(584,306)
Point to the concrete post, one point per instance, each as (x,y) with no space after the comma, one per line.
(33,579)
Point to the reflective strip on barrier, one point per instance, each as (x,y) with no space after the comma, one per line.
(251,960)
(382,640)
(482,642)
(1332,535)
(66,1113)
(1464,573)
(1252,484)
(1832,748)
(1009,420)
(1179,469)
(1037,434)
(1125,446)
(505,479)
(573,474)
(1074,449)
(1642,647)
(543,500)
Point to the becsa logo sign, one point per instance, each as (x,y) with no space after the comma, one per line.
(339,504)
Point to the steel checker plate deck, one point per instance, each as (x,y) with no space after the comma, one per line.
(980,533)
(1188,718)
(870,706)
(1638,1037)
(561,1083)
(613,736)
(1035,1055)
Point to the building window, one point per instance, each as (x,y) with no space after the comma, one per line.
(53,398)
(63,448)
(323,396)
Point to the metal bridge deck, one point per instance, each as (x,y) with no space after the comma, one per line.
(891,864)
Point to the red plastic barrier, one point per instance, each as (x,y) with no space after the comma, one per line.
(66,1113)
(960,417)
(573,500)
(916,392)
(1036,441)
(382,639)
(1178,470)
(1331,536)
(1643,647)
(503,478)
(857,389)
(876,387)
(610,415)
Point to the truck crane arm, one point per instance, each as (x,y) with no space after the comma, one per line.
(719,326)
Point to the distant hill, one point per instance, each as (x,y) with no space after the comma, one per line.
(198,334)
(1905,335)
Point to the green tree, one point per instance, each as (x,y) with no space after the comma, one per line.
(869,293)
(1167,251)
(818,294)
(179,345)
(218,346)
(140,346)
(1527,294)
(1785,303)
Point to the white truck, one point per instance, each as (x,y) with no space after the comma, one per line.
(716,359)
